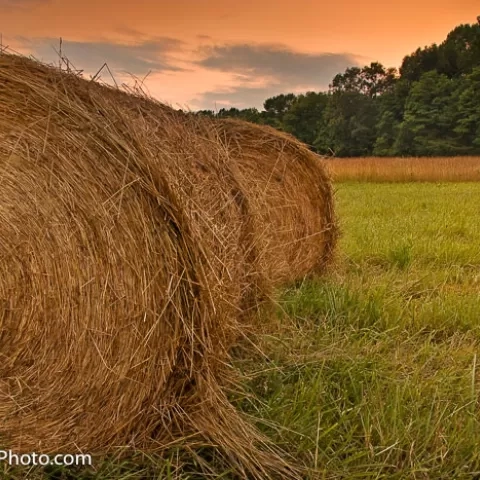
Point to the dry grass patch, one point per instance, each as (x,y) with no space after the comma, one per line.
(423,169)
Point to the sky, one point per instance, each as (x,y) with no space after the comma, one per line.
(196,54)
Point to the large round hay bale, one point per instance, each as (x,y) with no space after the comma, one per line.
(124,270)
(290,196)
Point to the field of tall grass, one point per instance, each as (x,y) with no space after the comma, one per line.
(374,371)
(425,169)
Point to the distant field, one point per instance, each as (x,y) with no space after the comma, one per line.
(426,169)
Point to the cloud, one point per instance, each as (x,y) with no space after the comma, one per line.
(263,71)
(138,59)
(251,73)
(279,63)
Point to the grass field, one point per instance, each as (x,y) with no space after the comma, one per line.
(374,372)
(377,375)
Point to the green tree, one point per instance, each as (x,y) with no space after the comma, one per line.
(391,107)
(350,81)
(460,52)
(229,113)
(280,104)
(371,80)
(429,118)
(275,109)
(349,123)
(468,120)
(250,115)
(305,116)
(206,113)
(421,61)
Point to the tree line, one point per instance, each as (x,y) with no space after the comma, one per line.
(429,107)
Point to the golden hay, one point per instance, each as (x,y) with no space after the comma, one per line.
(290,197)
(125,265)
(134,241)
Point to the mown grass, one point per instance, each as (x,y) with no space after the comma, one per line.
(374,371)
(399,169)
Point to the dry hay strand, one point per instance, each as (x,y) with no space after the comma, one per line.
(122,275)
(291,199)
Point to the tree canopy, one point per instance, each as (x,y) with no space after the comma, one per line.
(430,106)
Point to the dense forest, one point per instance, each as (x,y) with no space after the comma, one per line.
(429,107)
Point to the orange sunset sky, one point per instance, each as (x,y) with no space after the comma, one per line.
(220,53)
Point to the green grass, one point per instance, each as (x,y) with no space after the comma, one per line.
(374,372)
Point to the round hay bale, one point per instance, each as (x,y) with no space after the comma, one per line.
(123,274)
(290,196)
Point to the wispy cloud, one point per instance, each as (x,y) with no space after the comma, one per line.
(251,72)
(266,70)
(278,62)
(156,55)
